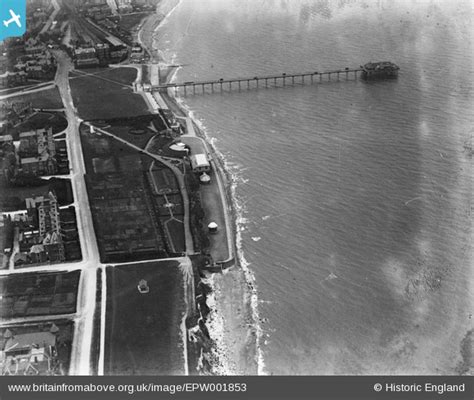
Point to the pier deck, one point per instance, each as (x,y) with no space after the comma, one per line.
(257,81)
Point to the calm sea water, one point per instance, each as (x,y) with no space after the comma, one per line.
(356,196)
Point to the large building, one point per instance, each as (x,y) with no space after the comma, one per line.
(37,152)
(36,142)
(43,241)
(28,353)
(39,165)
(48,216)
(34,46)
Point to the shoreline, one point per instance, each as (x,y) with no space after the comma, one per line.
(233,321)
(234,297)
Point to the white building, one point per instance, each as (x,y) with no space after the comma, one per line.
(200,163)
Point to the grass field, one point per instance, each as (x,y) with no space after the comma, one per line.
(107,93)
(43,120)
(49,98)
(127,22)
(142,333)
(138,130)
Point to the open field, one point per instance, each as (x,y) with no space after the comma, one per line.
(128,21)
(143,331)
(137,130)
(43,120)
(34,294)
(48,99)
(106,94)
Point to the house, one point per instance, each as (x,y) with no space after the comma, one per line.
(39,165)
(9,78)
(27,352)
(34,46)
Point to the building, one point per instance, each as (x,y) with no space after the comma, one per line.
(42,242)
(85,57)
(6,144)
(39,165)
(381,69)
(29,353)
(102,51)
(34,46)
(48,217)
(124,5)
(37,142)
(200,163)
(9,79)
(37,152)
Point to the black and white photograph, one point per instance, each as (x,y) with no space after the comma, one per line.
(237,188)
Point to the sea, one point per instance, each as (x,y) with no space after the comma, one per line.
(353,197)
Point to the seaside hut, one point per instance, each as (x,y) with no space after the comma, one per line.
(212,227)
(205,178)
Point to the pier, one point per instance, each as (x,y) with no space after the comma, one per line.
(266,81)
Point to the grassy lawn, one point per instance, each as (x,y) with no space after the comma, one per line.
(106,94)
(48,98)
(138,130)
(143,333)
(43,120)
(127,22)
(176,231)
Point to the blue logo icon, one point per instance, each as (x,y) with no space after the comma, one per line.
(12,18)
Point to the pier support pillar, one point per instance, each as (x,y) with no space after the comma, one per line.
(320,77)
(185,90)
(248,83)
(239,85)
(302,79)
(275,81)
(266,82)
(194,89)
(221,86)
(293,80)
